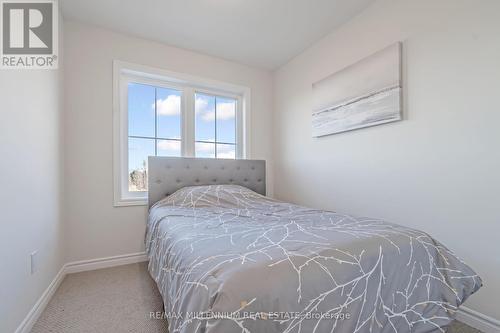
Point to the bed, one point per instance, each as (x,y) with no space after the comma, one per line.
(226,258)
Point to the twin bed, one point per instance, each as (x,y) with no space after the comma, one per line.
(226,258)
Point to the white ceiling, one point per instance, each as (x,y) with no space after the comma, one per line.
(260,33)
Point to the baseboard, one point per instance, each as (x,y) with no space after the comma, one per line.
(478,320)
(92,264)
(74,267)
(42,302)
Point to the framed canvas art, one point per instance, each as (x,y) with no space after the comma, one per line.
(364,94)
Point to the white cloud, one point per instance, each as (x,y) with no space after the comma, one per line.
(229,154)
(225,151)
(203,147)
(170,106)
(201,105)
(169,145)
(225,111)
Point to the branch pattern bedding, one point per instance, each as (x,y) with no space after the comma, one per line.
(227,259)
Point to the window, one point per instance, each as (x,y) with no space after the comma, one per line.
(159,113)
(215,126)
(154,128)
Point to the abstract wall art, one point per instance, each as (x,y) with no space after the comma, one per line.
(364,94)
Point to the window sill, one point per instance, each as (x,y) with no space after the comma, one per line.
(125,202)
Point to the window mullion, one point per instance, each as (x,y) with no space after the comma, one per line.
(188,119)
(156,122)
(215,129)
(240,130)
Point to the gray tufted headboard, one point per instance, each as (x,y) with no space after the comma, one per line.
(168,174)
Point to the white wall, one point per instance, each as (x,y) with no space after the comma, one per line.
(438,170)
(96,228)
(31,196)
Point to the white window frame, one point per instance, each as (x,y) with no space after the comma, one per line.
(123,73)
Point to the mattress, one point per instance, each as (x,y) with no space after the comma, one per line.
(227,259)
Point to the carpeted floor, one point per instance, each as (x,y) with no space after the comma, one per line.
(118,299)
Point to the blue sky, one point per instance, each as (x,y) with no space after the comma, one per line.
(141,102)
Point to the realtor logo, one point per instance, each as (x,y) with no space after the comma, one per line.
(29,34)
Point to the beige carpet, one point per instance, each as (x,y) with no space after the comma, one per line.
(117,299)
